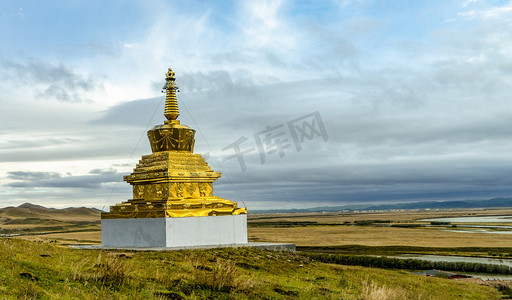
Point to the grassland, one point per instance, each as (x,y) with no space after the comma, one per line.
(377,236)
(37,264)
(387,233)
(347,233)
(394,216)
(43,270)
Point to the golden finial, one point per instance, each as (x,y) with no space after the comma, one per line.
(171,111)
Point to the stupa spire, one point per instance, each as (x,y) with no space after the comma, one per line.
(171,111)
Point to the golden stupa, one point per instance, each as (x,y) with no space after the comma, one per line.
(173,181)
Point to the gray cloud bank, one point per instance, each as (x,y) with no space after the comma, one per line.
(410,115)
(94,180)
(430,140)
(401,147)
(58,82)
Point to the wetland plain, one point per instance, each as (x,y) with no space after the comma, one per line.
(348,241)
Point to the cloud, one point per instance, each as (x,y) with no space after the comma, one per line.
(488,13)
(50,81)
(20,175)
(468,2)
(94,180)
(130,45)
(133,113)
(338,180)
(414,99)
(19,143)
(264,25)
(217,80)
(21,14)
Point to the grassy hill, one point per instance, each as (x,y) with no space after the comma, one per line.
(28,210)
(35,218)
(38,270)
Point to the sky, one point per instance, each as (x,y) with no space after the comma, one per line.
(298,103)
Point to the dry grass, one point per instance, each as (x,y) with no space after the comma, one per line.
(347,235)
(108,271)
(374,291)
(395,216)
(376,236)
(221,276)
(64,273)
(93,237)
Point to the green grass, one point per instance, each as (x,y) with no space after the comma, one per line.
(37,270)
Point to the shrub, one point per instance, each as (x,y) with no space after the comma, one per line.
(439,223)
(410,264)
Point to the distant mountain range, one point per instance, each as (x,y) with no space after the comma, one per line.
(31,219)
(489,203)
(29,210)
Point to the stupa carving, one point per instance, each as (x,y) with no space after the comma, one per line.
(172,181)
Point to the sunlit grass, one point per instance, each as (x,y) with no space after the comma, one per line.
(40,270)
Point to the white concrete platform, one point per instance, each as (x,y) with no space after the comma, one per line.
(174,232)
(268,246)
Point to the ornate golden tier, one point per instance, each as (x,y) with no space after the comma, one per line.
(171,136)
(173,181)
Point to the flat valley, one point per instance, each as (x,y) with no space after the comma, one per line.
(340,255)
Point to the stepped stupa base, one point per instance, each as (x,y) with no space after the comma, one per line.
(174,232)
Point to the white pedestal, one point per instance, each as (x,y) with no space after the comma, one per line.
(174,232)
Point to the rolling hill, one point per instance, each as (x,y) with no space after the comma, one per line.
(30,218)
(28,210)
